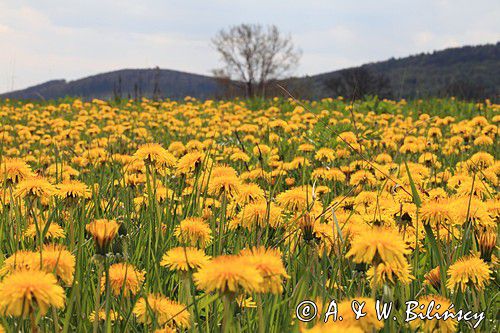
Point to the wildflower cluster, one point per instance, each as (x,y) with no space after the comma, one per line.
(173,216)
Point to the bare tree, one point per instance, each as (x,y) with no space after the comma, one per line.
(255,55)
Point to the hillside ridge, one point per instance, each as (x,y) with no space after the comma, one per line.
(471,72)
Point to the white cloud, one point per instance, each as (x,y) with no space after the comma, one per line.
(428,41)
(4,29)
(342,34)
(423,38)
(40,50)
(72,39)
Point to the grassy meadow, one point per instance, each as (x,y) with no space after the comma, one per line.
(208,216)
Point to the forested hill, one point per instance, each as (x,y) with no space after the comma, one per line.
(126,83)
(469,72)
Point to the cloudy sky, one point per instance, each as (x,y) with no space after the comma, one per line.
(50,39)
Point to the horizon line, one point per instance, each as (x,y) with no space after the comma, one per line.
(211,76)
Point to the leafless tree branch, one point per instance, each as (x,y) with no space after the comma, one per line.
(255,55)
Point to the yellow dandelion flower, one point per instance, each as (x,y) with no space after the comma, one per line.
(296,199)
(194,231)
(483,140)
(435,213)
(325,155)
(73,189)
(429,159)
(194,145)
(239,156)
(261,150)
(228,186)
(258,214)
(177,148)
(164,310)
(478,189)
(184,259)
(306,147)
(469,271)
(166,329)
(37,187)
(295,164)
(155,154)
(24,291)
(321,190)
(383,158)
(362,177)
(228,273)
(482,159)
(250,193)
(268,262)
(379,245)
(189,162)
(14,170)
(493,208)
(54,231)
(112,316)
(330,326)
(349,137)
(57,259)
(367,323)
(473,210)
(65,171)
(124,279)
(434,325)
(456,180)
(20,260)
(389,273)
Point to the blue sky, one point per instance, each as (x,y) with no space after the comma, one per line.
(51,39)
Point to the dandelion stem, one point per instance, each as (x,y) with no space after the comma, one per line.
(97,305)
(227,318)
(260,313)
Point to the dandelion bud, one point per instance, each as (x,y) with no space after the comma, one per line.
(103,231)
(306,224)
(122,230)
(433,278)
(487,242)
(117,247)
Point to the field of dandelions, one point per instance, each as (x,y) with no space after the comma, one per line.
(222,216)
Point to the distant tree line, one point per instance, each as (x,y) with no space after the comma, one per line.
(356,83)
(257,61)
(137,94)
